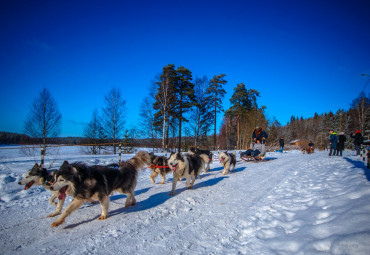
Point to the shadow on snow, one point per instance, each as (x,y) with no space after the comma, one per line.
(360,164)
(151,202)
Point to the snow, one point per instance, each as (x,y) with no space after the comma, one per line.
(293,204)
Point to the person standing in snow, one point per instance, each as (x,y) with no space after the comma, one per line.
(281,143)
(340,144)
(333,140)
(259,134)
(358,140)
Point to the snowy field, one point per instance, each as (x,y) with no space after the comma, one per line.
(293,204)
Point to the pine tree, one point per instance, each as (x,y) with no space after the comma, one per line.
(127,143)
(239,106)
(244,109)
(215,94)
(184,97)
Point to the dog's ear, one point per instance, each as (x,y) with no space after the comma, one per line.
(35,167)
(65,163)
(179,156)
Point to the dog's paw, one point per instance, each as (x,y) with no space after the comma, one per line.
(172,193)
(56,223)
(161,182)
(102,217)
(53,214)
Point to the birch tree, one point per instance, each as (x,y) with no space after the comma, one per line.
(164,97)
(113,115)
(44,118)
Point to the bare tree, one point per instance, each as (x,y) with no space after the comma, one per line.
(94,134)
(113,115)
(201,114)
(147,118)
(44,118)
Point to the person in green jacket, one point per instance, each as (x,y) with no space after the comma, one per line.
(333,140)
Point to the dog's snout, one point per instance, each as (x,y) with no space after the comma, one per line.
(19,183)
(51,188)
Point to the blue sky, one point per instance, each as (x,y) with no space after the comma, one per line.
(302,56)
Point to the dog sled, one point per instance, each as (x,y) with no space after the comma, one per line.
(255,153)
(255,159)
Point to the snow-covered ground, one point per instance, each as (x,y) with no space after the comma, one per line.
(293,204)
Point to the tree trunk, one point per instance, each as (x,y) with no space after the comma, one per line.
(163,130)
(180,122)
(238,131)
(214,135)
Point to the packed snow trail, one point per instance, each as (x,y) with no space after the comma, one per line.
(293,204)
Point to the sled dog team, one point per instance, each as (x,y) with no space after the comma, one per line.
(96,183)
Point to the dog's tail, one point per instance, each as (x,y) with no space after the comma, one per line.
(141,160)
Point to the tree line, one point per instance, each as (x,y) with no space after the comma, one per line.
(181,111)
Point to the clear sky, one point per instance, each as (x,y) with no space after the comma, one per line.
(303,56)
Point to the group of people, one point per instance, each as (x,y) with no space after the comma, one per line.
(337,142)
(259,136)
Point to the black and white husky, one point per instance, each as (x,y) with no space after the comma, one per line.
(40,176)
(96,183)
(185,166)
(207,159)
(228,160)
(159,165)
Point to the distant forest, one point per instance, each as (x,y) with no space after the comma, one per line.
(315,129)
(181,112)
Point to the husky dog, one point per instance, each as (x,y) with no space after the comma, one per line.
(159,165)
(206,156)
(227,160)
(96,183)
(185,166)
(40,176)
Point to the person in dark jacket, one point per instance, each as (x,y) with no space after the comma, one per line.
(358,140)
(259,134)
(311,146)
(340,144)
(281,143)
(333,139)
